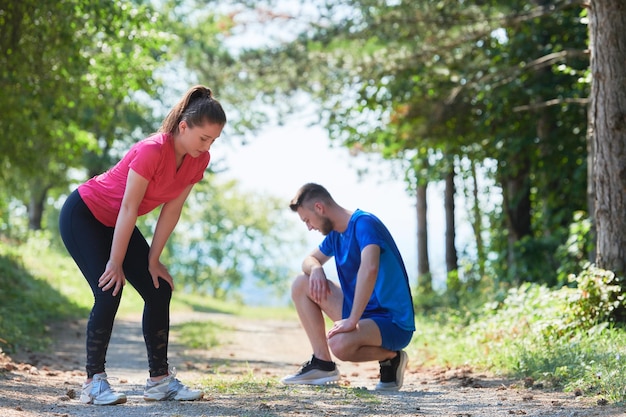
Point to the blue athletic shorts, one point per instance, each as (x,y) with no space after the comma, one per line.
(394,337)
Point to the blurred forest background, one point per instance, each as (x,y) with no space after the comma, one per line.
(490,98)
(517,108)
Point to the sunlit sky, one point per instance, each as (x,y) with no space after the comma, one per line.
(281,159)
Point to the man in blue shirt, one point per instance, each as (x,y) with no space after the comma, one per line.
(372,308)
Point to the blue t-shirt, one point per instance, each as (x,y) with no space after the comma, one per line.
(392,294)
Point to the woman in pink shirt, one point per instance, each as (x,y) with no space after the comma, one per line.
(98,227)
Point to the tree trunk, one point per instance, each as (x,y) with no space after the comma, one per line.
(607,29)
(547,184)
(451,255)
(423,266)
(38,195)
(591,189)
(517,205)
(477,223)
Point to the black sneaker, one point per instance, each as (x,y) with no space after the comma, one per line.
(392,372)
(314,372)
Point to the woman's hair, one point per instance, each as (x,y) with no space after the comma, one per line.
(310,192)
(198,106)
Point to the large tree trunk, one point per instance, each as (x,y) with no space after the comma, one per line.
(607,34)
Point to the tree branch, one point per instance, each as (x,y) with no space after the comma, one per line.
(550,103)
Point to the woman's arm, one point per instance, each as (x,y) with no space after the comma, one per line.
(113,275)
(168,218)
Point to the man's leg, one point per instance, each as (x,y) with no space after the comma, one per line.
(311,314)
(365,344)
(360,345)
(320,369)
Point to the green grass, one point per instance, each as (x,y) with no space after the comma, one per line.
(40,284)
(247,383)
(530,336)
(200,334)
(252,395)
(30,297)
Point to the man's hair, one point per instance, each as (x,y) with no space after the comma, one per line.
(310,192)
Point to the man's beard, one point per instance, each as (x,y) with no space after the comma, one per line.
(327,226)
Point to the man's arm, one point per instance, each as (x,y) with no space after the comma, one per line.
(365,281)
(312,266)
(313,260)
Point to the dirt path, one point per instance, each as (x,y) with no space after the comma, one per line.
(46,385)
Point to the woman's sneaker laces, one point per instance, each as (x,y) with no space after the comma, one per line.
(170,389)
(99,392)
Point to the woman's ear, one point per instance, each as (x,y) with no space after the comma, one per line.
(182,126)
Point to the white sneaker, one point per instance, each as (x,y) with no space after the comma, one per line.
(99,392)
(170,389)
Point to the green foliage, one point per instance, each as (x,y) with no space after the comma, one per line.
(71,73)
(598,299)
(200,334)
(564,338)
(575,252)
(426,301)
(464,296)
(226,235)
(202,37)
(534,261)
(28,301)
(426,82)
(429,82)
(590,363)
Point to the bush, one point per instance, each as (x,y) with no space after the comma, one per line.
(598,298)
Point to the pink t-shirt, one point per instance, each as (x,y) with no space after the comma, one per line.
(154,159)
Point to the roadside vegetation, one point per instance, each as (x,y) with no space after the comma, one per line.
(563,338)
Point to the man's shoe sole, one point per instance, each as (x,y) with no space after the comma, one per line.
(319,381)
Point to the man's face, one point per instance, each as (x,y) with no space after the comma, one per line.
(314,220)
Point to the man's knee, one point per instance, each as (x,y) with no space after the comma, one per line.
(299,286)
(340,347)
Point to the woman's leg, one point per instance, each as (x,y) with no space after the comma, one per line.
(89,242)
(156,312)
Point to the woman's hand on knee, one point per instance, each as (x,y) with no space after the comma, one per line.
(158,270)
(112,278)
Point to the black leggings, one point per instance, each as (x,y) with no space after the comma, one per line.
(89,242)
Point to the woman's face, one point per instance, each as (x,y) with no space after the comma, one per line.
(198,139)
